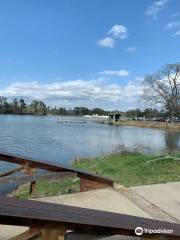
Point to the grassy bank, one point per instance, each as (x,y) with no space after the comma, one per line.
(132,169)
(47,189)
(144,124)
(129,169)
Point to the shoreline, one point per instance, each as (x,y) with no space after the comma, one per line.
(128,169)
(145,124)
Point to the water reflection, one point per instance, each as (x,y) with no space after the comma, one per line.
(44,138)
(172,140)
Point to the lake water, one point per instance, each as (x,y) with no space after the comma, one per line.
(43,138)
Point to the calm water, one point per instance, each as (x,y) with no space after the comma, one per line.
(44,138)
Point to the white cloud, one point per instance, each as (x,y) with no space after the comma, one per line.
(76,92)
(176,34)
(119,31)
(155,8)
(131,49)
(173,24)
(116,73)
(106,42)
(160,3)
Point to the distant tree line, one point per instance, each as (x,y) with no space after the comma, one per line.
(19,107)
(148,113)
(77,111)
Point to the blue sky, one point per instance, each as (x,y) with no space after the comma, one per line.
(85,52)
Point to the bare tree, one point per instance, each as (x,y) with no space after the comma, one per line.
(163,87)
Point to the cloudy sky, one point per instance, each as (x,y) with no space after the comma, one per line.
(85,52)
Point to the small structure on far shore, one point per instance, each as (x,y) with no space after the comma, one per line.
(114,117)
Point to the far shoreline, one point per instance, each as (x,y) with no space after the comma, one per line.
(146,124)
(101,120)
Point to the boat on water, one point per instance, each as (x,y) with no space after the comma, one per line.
(69,121)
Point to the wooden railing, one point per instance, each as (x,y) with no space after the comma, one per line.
(88,181)
(48,216)
(53,221)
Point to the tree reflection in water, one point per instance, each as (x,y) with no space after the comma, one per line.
(172,141)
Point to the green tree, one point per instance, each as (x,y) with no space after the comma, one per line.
(38,108)
(150,113)
(134,113)
(22,106)
(15,106)
(4,106)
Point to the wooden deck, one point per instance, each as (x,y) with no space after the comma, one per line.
(53,221)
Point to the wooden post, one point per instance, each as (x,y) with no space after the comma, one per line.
(32,187)
(52,234)
(29,170)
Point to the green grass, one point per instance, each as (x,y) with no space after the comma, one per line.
(128,169)
(48,188)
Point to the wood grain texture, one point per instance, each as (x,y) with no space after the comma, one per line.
(37,214)
(32,163)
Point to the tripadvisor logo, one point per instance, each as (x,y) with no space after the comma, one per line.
(139,231)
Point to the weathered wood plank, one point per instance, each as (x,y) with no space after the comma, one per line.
(29,162)
(10,171)
(29,170)
(56,216)
(29,234)
(87,184)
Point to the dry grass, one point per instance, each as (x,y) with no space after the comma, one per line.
(144,124)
